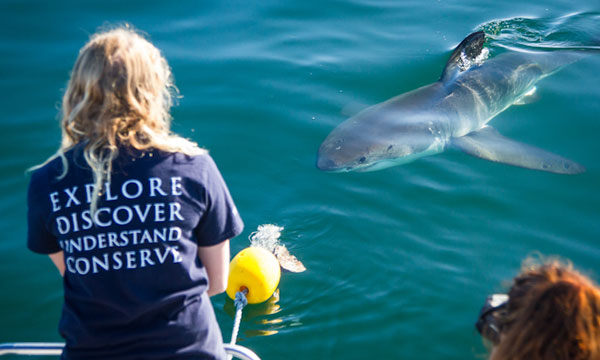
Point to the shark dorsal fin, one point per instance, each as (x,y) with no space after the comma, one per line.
(465,53)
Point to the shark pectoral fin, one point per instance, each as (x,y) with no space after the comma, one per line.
(488,144)
(465,53)
(529,97)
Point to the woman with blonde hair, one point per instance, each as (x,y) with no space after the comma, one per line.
(136,219)
(551,312)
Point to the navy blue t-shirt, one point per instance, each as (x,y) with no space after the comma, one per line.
(134,286)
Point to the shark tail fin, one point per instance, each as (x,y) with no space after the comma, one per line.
(488,144)
(465,53)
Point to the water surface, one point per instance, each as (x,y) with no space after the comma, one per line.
(399,261)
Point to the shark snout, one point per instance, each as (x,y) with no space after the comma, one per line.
(326,164)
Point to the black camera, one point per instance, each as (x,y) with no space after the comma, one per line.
(490,317)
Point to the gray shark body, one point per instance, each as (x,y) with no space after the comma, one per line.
(452,111)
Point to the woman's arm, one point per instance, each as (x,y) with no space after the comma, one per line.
(216,260)
(59,260)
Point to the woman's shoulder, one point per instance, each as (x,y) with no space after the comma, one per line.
(45,177)
(160,161)
(195,160)
(201,164)
(53,169)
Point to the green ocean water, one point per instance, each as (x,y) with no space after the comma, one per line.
(400,260)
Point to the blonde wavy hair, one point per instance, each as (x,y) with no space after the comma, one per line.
(120,93)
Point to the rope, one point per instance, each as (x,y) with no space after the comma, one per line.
(240,301)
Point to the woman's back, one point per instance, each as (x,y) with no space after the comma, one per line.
(133,282)
(129,211)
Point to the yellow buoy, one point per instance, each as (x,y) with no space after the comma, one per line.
(255,269)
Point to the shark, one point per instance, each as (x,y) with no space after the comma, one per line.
(452,112)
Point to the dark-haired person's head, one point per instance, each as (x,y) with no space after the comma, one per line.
(551,312)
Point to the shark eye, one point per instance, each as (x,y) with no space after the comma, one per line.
(390,148)
(362,160)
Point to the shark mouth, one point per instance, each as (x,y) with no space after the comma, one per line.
(366,164)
